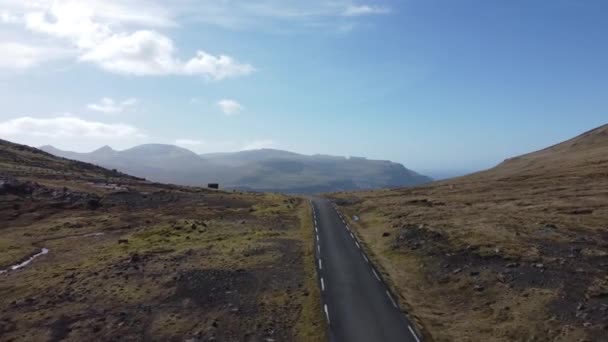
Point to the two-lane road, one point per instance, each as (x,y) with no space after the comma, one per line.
(357,304)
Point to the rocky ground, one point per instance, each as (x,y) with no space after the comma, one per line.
(519,252)
(132,260)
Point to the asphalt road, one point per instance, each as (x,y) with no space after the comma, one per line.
(357,303)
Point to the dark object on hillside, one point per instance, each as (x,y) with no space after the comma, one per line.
(213,186)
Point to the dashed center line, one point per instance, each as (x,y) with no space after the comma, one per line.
(413,333)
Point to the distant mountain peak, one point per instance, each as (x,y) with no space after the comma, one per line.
(104,149)
(48,147)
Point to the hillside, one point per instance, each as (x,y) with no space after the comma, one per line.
(88,253)
(517,252)
(259,170)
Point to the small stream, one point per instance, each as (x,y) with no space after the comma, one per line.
(26,262)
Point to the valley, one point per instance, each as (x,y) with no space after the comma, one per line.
(264,170)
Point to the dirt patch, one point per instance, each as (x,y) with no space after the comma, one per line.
(213,288)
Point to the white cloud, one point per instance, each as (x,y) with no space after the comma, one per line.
(66,127)
(219,67)
(247,13)
(359,10)
(7,17)
(151,53)
(258,144)
(21,56)
(110,106)
(230,107)
(110,34)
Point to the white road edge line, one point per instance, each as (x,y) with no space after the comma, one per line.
(376,274)
(391,298)
(356,243)
(413,333)
(316,230)
(327,314)
(317,238)
(364,257)
(320,264)
(319,248)
(352,236)
(322,284)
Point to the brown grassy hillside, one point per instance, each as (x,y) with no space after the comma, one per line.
(132,260)
(518,252)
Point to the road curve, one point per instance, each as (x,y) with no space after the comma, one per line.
(357,304)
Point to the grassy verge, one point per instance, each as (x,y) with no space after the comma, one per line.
(311,326)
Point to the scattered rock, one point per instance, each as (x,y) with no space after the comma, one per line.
(581,212)
(385,234)
(501,277)
(135,258)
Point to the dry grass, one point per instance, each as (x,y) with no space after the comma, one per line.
(149,261)
(518,252)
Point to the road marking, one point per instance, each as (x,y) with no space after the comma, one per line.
(391,298)
(364,257)
(376,274)
(316,230)
(327,314)
(347,228)
(352,236)
(413,333)
(322,284)
(317,238)
(315,222)
(356,243)
(320,265)
(319,248)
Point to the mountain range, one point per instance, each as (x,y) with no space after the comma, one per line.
(257,170)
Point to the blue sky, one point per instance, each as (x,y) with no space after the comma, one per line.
(441,86)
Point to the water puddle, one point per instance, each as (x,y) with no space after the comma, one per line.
(26,262)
